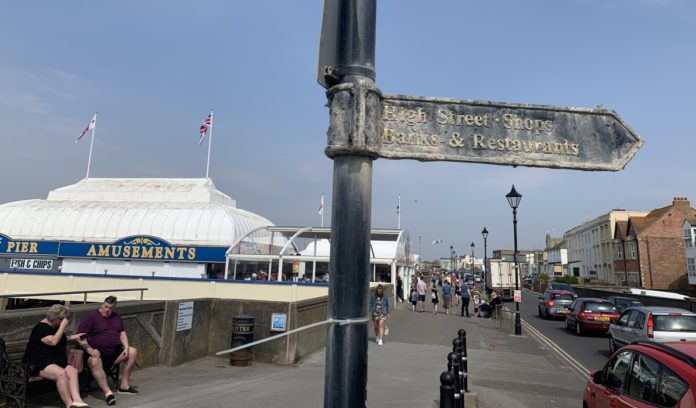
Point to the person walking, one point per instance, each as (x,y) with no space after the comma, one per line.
(420,288)
(446,295)
(413,297)
(379,310)
(399,289)
(477,303)
(435,298)
(466,296)
(457,291)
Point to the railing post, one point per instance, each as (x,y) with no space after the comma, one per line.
(447,390)
(465,361)
(84,299)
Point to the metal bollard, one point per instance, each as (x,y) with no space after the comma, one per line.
(450,358)
(447,390)
(459,374)
(465,360)
(454,361)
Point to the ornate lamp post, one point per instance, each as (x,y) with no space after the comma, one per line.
(514,199)
(484,272)
(473,269)
(452,257)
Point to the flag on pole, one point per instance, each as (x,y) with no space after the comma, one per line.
(321,206)
(207,123)
(90,126)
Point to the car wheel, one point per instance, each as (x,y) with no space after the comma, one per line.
(612,345)
(578,329)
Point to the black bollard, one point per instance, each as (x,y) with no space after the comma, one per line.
(459,374)
(454,365)
(465,360)
(447,390)
(450,358)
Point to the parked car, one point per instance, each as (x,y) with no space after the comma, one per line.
(554,303)
(623,302)
(561,286)
(645,374)
(590,314)
(653,323)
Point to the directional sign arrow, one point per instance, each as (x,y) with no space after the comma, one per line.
(437,129)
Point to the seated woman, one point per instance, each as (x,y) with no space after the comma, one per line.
(47,357)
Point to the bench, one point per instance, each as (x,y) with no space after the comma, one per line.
(15,374)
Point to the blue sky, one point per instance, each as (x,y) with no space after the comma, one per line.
(154,69)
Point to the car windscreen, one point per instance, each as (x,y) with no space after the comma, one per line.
(599,307)
(562,296)
(676,323)
(624,303)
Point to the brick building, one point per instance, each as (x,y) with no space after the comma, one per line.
(650,252)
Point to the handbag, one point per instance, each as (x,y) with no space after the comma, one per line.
(75,359)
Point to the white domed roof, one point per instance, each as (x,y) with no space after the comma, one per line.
(180,211)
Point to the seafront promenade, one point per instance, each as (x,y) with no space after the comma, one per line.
(505,371)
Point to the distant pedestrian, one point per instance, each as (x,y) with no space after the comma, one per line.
(466,297)
(379,310)
(446,295)
(435,298)
(457,291)
(413,297)
(477,303)
(420,288)
(399,289)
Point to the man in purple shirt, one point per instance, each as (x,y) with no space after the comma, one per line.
(106,344)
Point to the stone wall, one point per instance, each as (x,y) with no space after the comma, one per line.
(151,327)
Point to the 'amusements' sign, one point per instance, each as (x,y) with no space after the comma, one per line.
(430,129)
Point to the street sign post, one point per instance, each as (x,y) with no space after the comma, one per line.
(437,129)
(366,125)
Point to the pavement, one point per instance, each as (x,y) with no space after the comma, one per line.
(504,371)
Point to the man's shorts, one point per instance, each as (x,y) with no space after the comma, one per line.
(108,360)
(421,298)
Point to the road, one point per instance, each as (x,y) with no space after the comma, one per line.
(591,351)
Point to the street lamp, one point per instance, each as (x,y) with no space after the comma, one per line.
(484,233)
(452,257)
(473,269)
(514,199)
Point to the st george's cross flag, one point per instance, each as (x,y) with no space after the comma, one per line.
(90,126)
(321,206)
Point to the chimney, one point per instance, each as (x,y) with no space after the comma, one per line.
(681,202)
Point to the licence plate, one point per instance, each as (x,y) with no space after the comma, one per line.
(603,318)
(563,310)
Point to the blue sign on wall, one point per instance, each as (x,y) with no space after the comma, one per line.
(9,246)
(138,247)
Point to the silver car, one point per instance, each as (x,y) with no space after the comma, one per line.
(652,323)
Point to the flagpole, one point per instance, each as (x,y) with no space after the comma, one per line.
(210,142)
(322,210)
(398,213)
(91,144)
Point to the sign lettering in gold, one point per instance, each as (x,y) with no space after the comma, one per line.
(529,135)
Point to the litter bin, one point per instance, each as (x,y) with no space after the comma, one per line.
(242,333)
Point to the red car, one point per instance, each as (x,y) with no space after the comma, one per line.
(590,314)
(645,374)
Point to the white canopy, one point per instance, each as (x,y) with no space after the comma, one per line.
(180,211)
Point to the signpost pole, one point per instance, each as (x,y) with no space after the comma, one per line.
(354,105)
